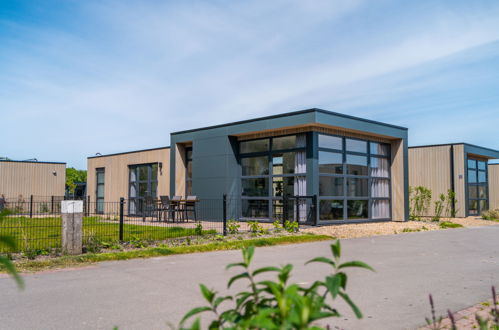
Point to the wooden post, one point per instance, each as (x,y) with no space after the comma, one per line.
(72,231)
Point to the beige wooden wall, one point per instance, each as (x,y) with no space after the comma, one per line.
(116,179)
(430,167)
(31,178)
(494,186)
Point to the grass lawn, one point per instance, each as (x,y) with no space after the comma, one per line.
(88,258)
(45,233)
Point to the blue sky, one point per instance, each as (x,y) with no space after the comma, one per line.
(80,77)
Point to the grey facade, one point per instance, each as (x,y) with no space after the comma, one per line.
(214,168)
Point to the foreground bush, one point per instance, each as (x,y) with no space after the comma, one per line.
(491,215)
(277,304)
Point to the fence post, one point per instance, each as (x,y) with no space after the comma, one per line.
(225,214)
(52,204)
(31,206)
(88,206)
(314,210)
(122,204)
(285,208)
(72,222)
(297,203)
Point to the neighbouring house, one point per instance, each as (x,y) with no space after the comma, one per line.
(132,175)
(338,169)
(460,167)
(494,186)
(348,169)
(19,180)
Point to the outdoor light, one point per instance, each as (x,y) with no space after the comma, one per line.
(54,173)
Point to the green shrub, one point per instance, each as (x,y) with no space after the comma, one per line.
(277,226)
(138,242)
(44,208)
(451,201)
(491,215)
(439,208)
(91,242)
(233,227)
(448,224)
(277,304)
(199,229)
(291,226)
(419,202)
(255,227)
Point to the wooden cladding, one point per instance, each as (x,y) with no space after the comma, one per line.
(117,172)
(22,179)
(494,186)
(434,167)
(314,128)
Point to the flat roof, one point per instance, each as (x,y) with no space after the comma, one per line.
(129,152)
(468,145)
(29,161)
(290,114)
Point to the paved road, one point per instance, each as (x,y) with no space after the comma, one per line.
(458,266)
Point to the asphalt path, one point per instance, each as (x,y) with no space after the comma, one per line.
(458,266)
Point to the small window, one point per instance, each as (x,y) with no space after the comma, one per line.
(330,142)
(356,165)
(255,187)
(330,162)
(356,145)
(471,163)
(330,186)
(380,149)
(284,142)
(357,187)
(482,165)
(357,209)
(472,176)
(254,146)
(331,209)
(255,165)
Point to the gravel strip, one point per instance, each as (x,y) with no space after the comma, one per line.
(390,228)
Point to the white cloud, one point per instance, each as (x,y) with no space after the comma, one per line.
(124,75)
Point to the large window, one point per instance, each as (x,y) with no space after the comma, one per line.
(270,169)
(478,197)
(354,179)
(99,191)
(143,183)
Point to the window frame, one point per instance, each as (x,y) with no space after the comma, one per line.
(476,185)
(345,175)
(270,198)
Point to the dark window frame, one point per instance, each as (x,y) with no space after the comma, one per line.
(477,186)
(270,198)
(149,181)
(98,200)
(346,176)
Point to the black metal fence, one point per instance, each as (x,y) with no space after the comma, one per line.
(36,223)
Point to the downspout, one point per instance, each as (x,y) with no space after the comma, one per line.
(452,178)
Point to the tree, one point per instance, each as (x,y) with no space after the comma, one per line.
(72,176)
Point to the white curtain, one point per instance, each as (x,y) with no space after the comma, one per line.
(300,185)
(381,209)
(380,167)
(380,188)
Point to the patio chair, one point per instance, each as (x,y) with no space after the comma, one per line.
(190,206)
(150,208)
(165,207)
(176,206)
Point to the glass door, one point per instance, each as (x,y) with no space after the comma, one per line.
(143,184)
(478,195)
